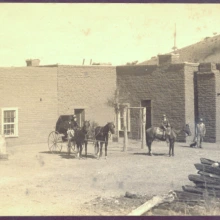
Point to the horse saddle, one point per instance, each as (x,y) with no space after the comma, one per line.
(160,131)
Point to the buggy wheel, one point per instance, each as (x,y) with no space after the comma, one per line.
(55,142)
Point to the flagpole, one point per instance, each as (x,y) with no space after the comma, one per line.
(174,47)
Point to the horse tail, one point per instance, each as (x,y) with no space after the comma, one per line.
(150,133)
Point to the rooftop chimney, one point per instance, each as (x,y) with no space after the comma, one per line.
(34,62)
(168,58)
(207,67)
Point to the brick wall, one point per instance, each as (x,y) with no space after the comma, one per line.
(164,85)
(23,88)
(89,88)
(41,94)
(207,100)
(190,70)
(217,96)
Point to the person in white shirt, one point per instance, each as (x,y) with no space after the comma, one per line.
(200,132)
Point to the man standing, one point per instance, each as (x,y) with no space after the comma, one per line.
(73,125)
(200,132)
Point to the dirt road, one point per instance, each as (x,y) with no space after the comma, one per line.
(35,182)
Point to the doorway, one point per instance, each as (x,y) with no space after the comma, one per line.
(80,116)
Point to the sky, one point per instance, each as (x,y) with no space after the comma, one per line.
(118,33)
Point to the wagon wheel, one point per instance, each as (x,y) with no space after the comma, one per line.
(55,142)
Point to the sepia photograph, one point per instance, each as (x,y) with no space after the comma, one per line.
(109,109)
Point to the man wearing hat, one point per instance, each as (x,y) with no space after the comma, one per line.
(73,123)
(200,132)
(165,125)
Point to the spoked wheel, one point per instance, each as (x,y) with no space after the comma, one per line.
(55,142)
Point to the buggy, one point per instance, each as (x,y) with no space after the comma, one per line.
(62,135)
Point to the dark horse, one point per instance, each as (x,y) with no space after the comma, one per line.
(157,133)
(101,136)
(80,138)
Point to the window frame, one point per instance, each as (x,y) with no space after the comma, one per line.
(15,121)
(128,117)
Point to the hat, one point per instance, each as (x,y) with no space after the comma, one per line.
(201,119)
(164,115)
(74,116)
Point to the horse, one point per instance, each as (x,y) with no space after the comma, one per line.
(171,134)
(80,138)
(102,136)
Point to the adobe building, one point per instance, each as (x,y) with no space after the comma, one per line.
(184,92)
(207,94)
(33,98)
(166,88)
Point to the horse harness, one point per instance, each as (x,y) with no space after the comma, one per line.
(101,132)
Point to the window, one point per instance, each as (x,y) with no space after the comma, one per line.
(121,119)
(10,122)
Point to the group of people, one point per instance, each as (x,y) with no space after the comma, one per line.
(199,133)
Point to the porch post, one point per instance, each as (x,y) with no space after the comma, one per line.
(125,128)
(143,128)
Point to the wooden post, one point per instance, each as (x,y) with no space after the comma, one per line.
(117,121)
(156,200)
(125,129)
(143,128)
(117,110)
(140,124)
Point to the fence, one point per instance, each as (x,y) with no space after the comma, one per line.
(134,123)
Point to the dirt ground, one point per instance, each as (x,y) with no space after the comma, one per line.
(35,182)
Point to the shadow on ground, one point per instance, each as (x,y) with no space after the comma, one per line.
(153,154)
(184,145)
(146,154)
(49,152)
(74,156)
